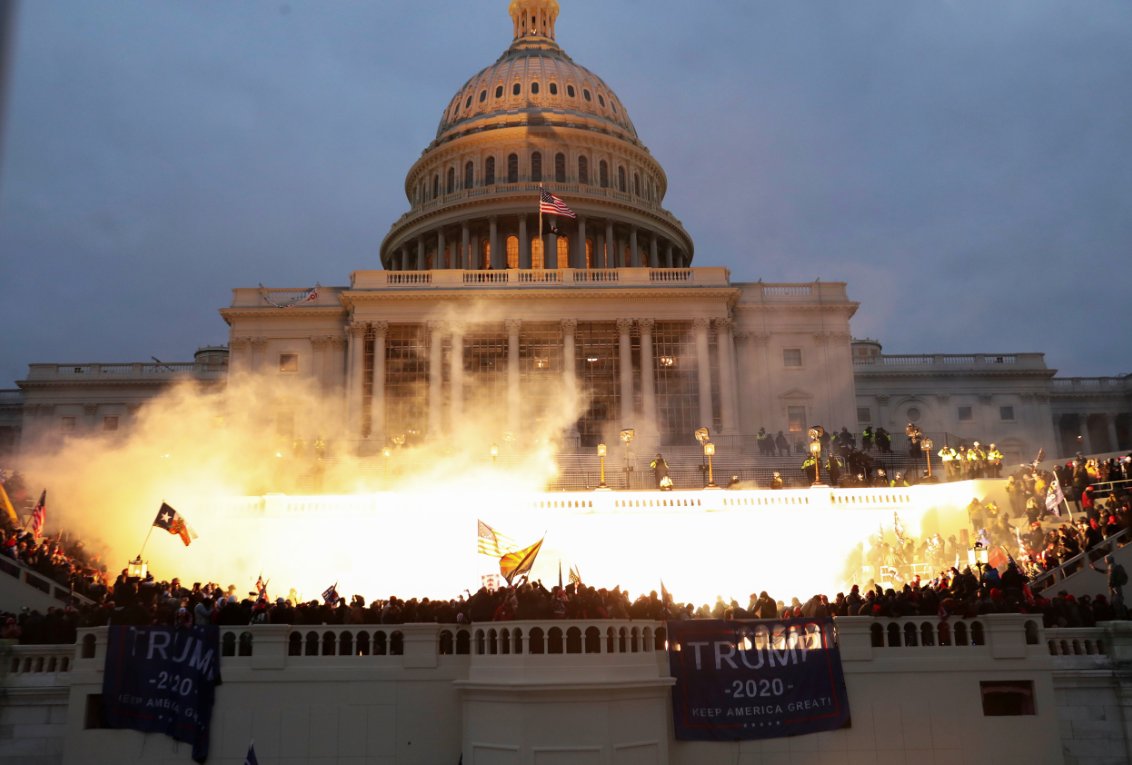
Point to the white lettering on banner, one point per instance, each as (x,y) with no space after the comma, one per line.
(193,651)
(158,642)
(786,649)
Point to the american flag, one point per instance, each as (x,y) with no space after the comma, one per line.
(552,205)
(39,515)
(488,541)
(330,595)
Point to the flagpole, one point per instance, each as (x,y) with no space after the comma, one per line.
(540,239)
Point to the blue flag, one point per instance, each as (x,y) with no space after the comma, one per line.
(251,759)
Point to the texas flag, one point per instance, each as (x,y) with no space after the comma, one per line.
(173,522)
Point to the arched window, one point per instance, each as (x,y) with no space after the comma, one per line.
(603,173)
(512,168)
(589,253)
(534,88)
(468,103)
(586,94)
(570,90)
(637,184)
(560,167)
(554,88)
(516,89)
(483,96)
(583,170)
(468,174)
(621,179)
(435,186)
(563,252)
(537,260)
(450,186)
(536,166)
(485,254)
(512,252)
(601,99)
(489,171)
(499,91)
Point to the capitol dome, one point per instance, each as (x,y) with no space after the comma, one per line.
(535,120)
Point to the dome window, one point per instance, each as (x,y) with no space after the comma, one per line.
(536,166)
(586,94)
(489,172)
(603,173)
(512,168)
(637,184)
(483,96)
(583,170)
(613,105)
(570,90)
(601,99)
(469,174)
(534,88)
(559,168)
(516,89)
(468,103)
(499,91)
(621,179)
(554,88)
(435,186)
(450,186)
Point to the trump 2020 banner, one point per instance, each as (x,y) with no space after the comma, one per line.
(162,680)
(759,678)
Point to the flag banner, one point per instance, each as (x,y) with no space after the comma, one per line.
(162,680)
(1054,497)
(330,595)
(755,678)
(519,562)
(306,296)
(250,759)
(10,511)
(175,523)
(487,541)
(575,575)
(551,205)
(39,515)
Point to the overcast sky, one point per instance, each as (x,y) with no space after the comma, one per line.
(965,166)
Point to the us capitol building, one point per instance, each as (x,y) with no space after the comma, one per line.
(480,300)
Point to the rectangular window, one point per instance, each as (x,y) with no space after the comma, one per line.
(288,362)
(965,414)
(864,414)
(110,422)
(1007,698)
(67,424)
(792,357)
(92,712)
(796,419)
(1006,413)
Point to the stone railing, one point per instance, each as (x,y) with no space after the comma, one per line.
(44,584)
(989,361)
(125,372)
(1090,384)
(538,278)
(35,665)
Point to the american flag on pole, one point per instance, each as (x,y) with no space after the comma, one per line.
(39,515)
(491,542)
(551,205)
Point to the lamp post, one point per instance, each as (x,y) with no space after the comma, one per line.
(601,450)
(815,453)
(703,435)
(927,445)
(709,452)
(627,435)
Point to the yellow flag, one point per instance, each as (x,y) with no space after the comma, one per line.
(519,562)
(7,503)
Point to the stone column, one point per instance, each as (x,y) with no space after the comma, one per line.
(569,376)
(524,244)
(355,366)
(456,377)
(513,399)
(420,253)
(377,402)
(493,244)
(441,255)
(648,375)
(465,239)
(625,366)
(634,252)
(653,257)
(580,245)
(1110,421)
(475,257)
(668,256)
(550,252)
(611,245)
(435,377)
(728,397)
(599,252)
(703,370)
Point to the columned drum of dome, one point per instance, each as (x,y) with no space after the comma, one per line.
(535,119)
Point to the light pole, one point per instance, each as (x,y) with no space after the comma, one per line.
(703,435)
(709,452)
(627,436)
(815,453)
(927,444)
(601,450)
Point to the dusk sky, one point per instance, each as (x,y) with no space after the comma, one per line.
(965,166)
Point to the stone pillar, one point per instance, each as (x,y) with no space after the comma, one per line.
(435,377)
(420,253)
(465,240)
(441,255)
(569,376)
(634,252)
(580,244)
(625,366)
(703,370)
(653,257)
(377,403)
(493,244)
(648,376)
(456,377)
(513,399)
(1113,443)
(475,257)
(355,366)
(550,252)
(599,252)
(611,246)
(668,256)
(524,244)
(728,397)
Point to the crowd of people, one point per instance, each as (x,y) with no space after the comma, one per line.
(908,576)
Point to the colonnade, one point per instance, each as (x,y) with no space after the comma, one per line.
(366,374)
(614,245)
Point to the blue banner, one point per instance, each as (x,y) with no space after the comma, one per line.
(162,680)
(752,679)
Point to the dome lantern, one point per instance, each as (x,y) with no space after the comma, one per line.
(534,18)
